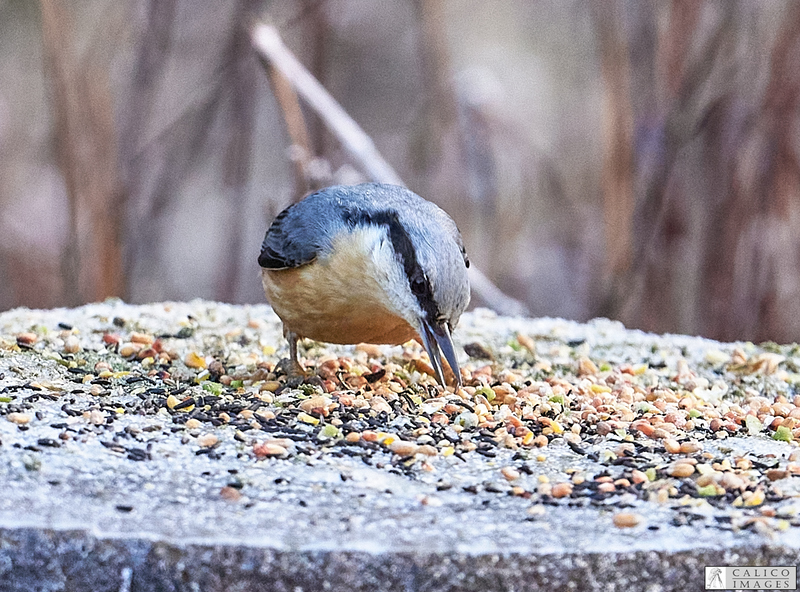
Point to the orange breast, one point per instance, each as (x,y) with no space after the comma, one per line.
(336,299)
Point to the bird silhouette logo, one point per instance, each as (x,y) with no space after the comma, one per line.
(714,578)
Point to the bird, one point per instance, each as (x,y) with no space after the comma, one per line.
(369,263)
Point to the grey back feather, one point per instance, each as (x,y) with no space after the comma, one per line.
(304,231)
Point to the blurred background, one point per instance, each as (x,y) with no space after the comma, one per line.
(635,159)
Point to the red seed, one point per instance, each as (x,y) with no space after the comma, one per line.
(27,338)
(110,338)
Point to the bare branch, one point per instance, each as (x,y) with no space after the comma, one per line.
(268,43)
(295,127)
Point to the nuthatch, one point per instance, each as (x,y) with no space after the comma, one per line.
(370,263)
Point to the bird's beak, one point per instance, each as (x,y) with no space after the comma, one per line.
(436,336)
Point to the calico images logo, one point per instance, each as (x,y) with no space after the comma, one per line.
(751,578)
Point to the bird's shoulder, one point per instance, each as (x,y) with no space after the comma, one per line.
(304,230)
(289,241)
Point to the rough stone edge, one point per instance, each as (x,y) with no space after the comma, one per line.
(33,560)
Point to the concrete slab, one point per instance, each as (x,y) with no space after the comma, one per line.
(105,488)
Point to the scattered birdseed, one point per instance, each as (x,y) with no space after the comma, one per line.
(27,339)
(230,493)
(207,440)
(96,417)
(126,350)
(776,474)
(606,488)
(142,338)
(269,449)
(681,469)
(72,345)
(562,489)
(402,448)
(650,427)
(626,520)
(690,447)
(194,360)
(19,418)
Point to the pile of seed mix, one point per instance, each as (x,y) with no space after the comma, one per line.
(669,420)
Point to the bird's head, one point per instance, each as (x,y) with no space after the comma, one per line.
(422,266)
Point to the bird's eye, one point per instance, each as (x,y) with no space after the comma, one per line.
(418,283)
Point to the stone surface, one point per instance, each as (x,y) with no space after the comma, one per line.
(82,515)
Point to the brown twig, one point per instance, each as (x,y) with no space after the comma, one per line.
(295,127)
(269,45)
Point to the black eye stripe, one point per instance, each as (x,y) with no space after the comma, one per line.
(404,249)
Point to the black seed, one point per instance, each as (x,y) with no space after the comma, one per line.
(184,333)
(375,376)
(113,446)
(187,402)
(138,454)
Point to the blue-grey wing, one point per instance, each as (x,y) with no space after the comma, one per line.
(291,240)
(304,231)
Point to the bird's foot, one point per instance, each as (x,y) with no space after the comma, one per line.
(294,372)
